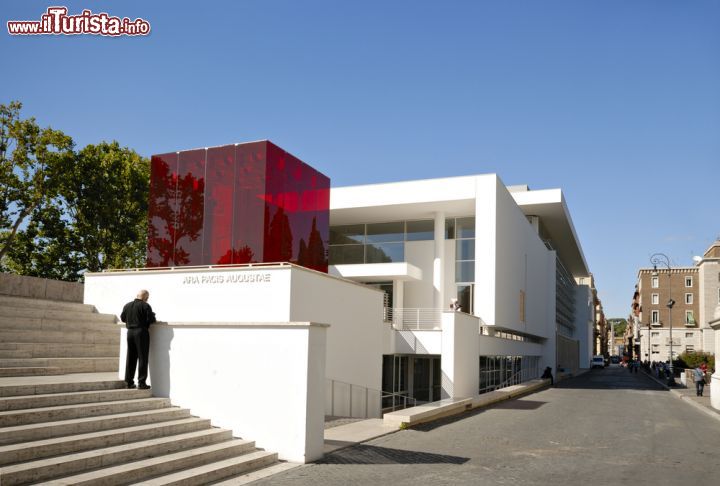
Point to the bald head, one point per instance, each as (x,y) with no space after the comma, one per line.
(143,295)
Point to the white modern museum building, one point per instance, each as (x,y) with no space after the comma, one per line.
(438,288)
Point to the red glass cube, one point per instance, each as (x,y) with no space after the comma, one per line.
(243,203)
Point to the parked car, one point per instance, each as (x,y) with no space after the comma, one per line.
(598,361)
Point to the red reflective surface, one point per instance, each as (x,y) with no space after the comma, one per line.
(161,210)
(251,202)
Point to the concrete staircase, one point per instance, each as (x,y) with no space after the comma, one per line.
(44,337)
(65,418)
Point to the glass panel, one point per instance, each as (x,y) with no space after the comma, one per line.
(437,380)
(385,253)
(346,234)
(250,212)
(465,249)
(421,379)
(420,230)
(465,228)
(383,232)
(449,229)
(346,254)
(191,201)
(464,297)
(161,210)
(465,271)
(217,227)
(280,203)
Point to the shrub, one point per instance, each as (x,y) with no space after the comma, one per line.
(693,360)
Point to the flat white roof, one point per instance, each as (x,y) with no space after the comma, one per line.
(456,196)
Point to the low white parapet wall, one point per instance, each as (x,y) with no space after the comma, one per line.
(264,381)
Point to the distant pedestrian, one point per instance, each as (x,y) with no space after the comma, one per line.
(137,316)
(547,374)
(699,378)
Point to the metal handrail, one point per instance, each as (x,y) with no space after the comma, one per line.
(417,318)
(367,390)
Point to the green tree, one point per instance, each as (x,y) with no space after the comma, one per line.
(619,325)
(105,198)
(31,161)
(96,220)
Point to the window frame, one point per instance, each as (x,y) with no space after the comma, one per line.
(689,298)
(655,299)
(688,278)
(655,282)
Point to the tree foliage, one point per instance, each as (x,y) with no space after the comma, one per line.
(31,163)
(88,211)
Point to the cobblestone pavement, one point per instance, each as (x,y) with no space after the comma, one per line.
(605,427)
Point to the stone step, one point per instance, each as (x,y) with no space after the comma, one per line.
(25,302)
(66,365)
(76,337)
(216,471)
(246,478)
(14,418)
(133,472)
(107,457)
(62,387)
(46,430)
(39,449)
(44,313)
(31,371)
(57,350)
(55,324)
(16,353)
(72,398)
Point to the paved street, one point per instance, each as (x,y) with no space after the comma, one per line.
(602,428)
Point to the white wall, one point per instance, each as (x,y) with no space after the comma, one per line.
(521,264)
(198,295)
(355,337)
(459,361)
(486,264)
(225,373)
(417,342)
(420,293)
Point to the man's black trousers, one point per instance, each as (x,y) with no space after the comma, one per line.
(138,349)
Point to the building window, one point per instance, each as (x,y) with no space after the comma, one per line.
(655,317)
(688,281)
(655,299)
(689,318)
(655,282)
(688,334)
(654,334)
(465,250)
(688,298)
(689,348)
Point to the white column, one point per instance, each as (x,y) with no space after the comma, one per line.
(439,263)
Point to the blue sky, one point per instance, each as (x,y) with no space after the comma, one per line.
(617,102)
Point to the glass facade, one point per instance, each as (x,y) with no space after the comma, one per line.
(237,204)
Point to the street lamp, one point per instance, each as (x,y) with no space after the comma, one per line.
(662,259)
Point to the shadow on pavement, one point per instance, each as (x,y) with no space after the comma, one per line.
(519,405)
(611,379)
(367,454)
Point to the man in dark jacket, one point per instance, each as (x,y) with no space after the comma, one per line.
(137,316)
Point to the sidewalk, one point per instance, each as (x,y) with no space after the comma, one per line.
(688,395)
(358,431)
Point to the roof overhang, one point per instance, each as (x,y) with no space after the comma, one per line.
(549,205)
(377,272)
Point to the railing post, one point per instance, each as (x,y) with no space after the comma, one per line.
(332,397)
(351,400)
